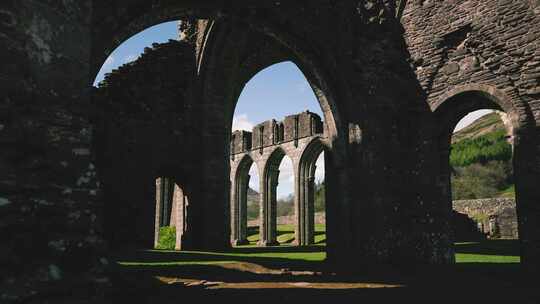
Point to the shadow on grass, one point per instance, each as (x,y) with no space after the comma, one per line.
(419,284)
(490,247)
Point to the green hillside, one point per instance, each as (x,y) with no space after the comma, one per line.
(486,124)
(480,158)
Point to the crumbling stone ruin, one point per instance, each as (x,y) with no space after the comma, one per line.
(78,165)
(301,138)
(495,217)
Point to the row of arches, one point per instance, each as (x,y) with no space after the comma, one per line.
(344,131)
(304,159)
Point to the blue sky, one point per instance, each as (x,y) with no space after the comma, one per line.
(275,92)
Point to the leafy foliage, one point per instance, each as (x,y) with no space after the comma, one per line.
(167,238)
(481,181)
(482,163)
(492,146)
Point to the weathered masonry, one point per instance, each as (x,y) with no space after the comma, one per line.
(300,137)
(78,164)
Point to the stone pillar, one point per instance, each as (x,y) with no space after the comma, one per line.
(242,219)
(179,216)
(239,210)
(167,194)
(268,218)
(234,208)
(159,208)
(305,206)
(527,177)
(309,237)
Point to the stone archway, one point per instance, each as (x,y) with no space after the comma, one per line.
(268,185)
(223,61)
(453,106)
(305,196)
(239,190)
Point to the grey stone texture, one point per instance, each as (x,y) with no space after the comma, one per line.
(497,217)
(78,165)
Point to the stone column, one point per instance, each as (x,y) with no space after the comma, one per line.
(167,185)
(180,216)
(234,208)
(159,212)
(268,218)
(309,238)
(239,210)
(242,216)
(305,207)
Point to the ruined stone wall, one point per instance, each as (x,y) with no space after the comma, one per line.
(143,131)
(500,212)
(470,55)
(455,43)
(293,127)
(486,206)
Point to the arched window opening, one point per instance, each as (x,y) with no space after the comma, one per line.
(479,175)
(285,202)
(320,202)
(279,110)
(244,201)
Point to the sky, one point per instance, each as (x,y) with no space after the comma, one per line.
(273,93)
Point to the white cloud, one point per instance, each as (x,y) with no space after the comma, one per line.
(286,171)
(319,173)
(241,122)
(130,58)
(254,180)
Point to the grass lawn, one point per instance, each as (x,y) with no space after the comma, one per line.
(286,255)
(286,234)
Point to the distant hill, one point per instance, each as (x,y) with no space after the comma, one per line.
(481,160)
(285,205)
(484,125)
(482,141)
(252,204)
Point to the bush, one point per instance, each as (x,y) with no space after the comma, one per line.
(167,238)
(480,181)
(285,206)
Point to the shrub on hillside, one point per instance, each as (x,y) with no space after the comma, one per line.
(480,181)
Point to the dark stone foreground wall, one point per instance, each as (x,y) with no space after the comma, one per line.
(51,213)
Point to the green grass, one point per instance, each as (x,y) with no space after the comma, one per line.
(509,192)
(489,251)
(286,234)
